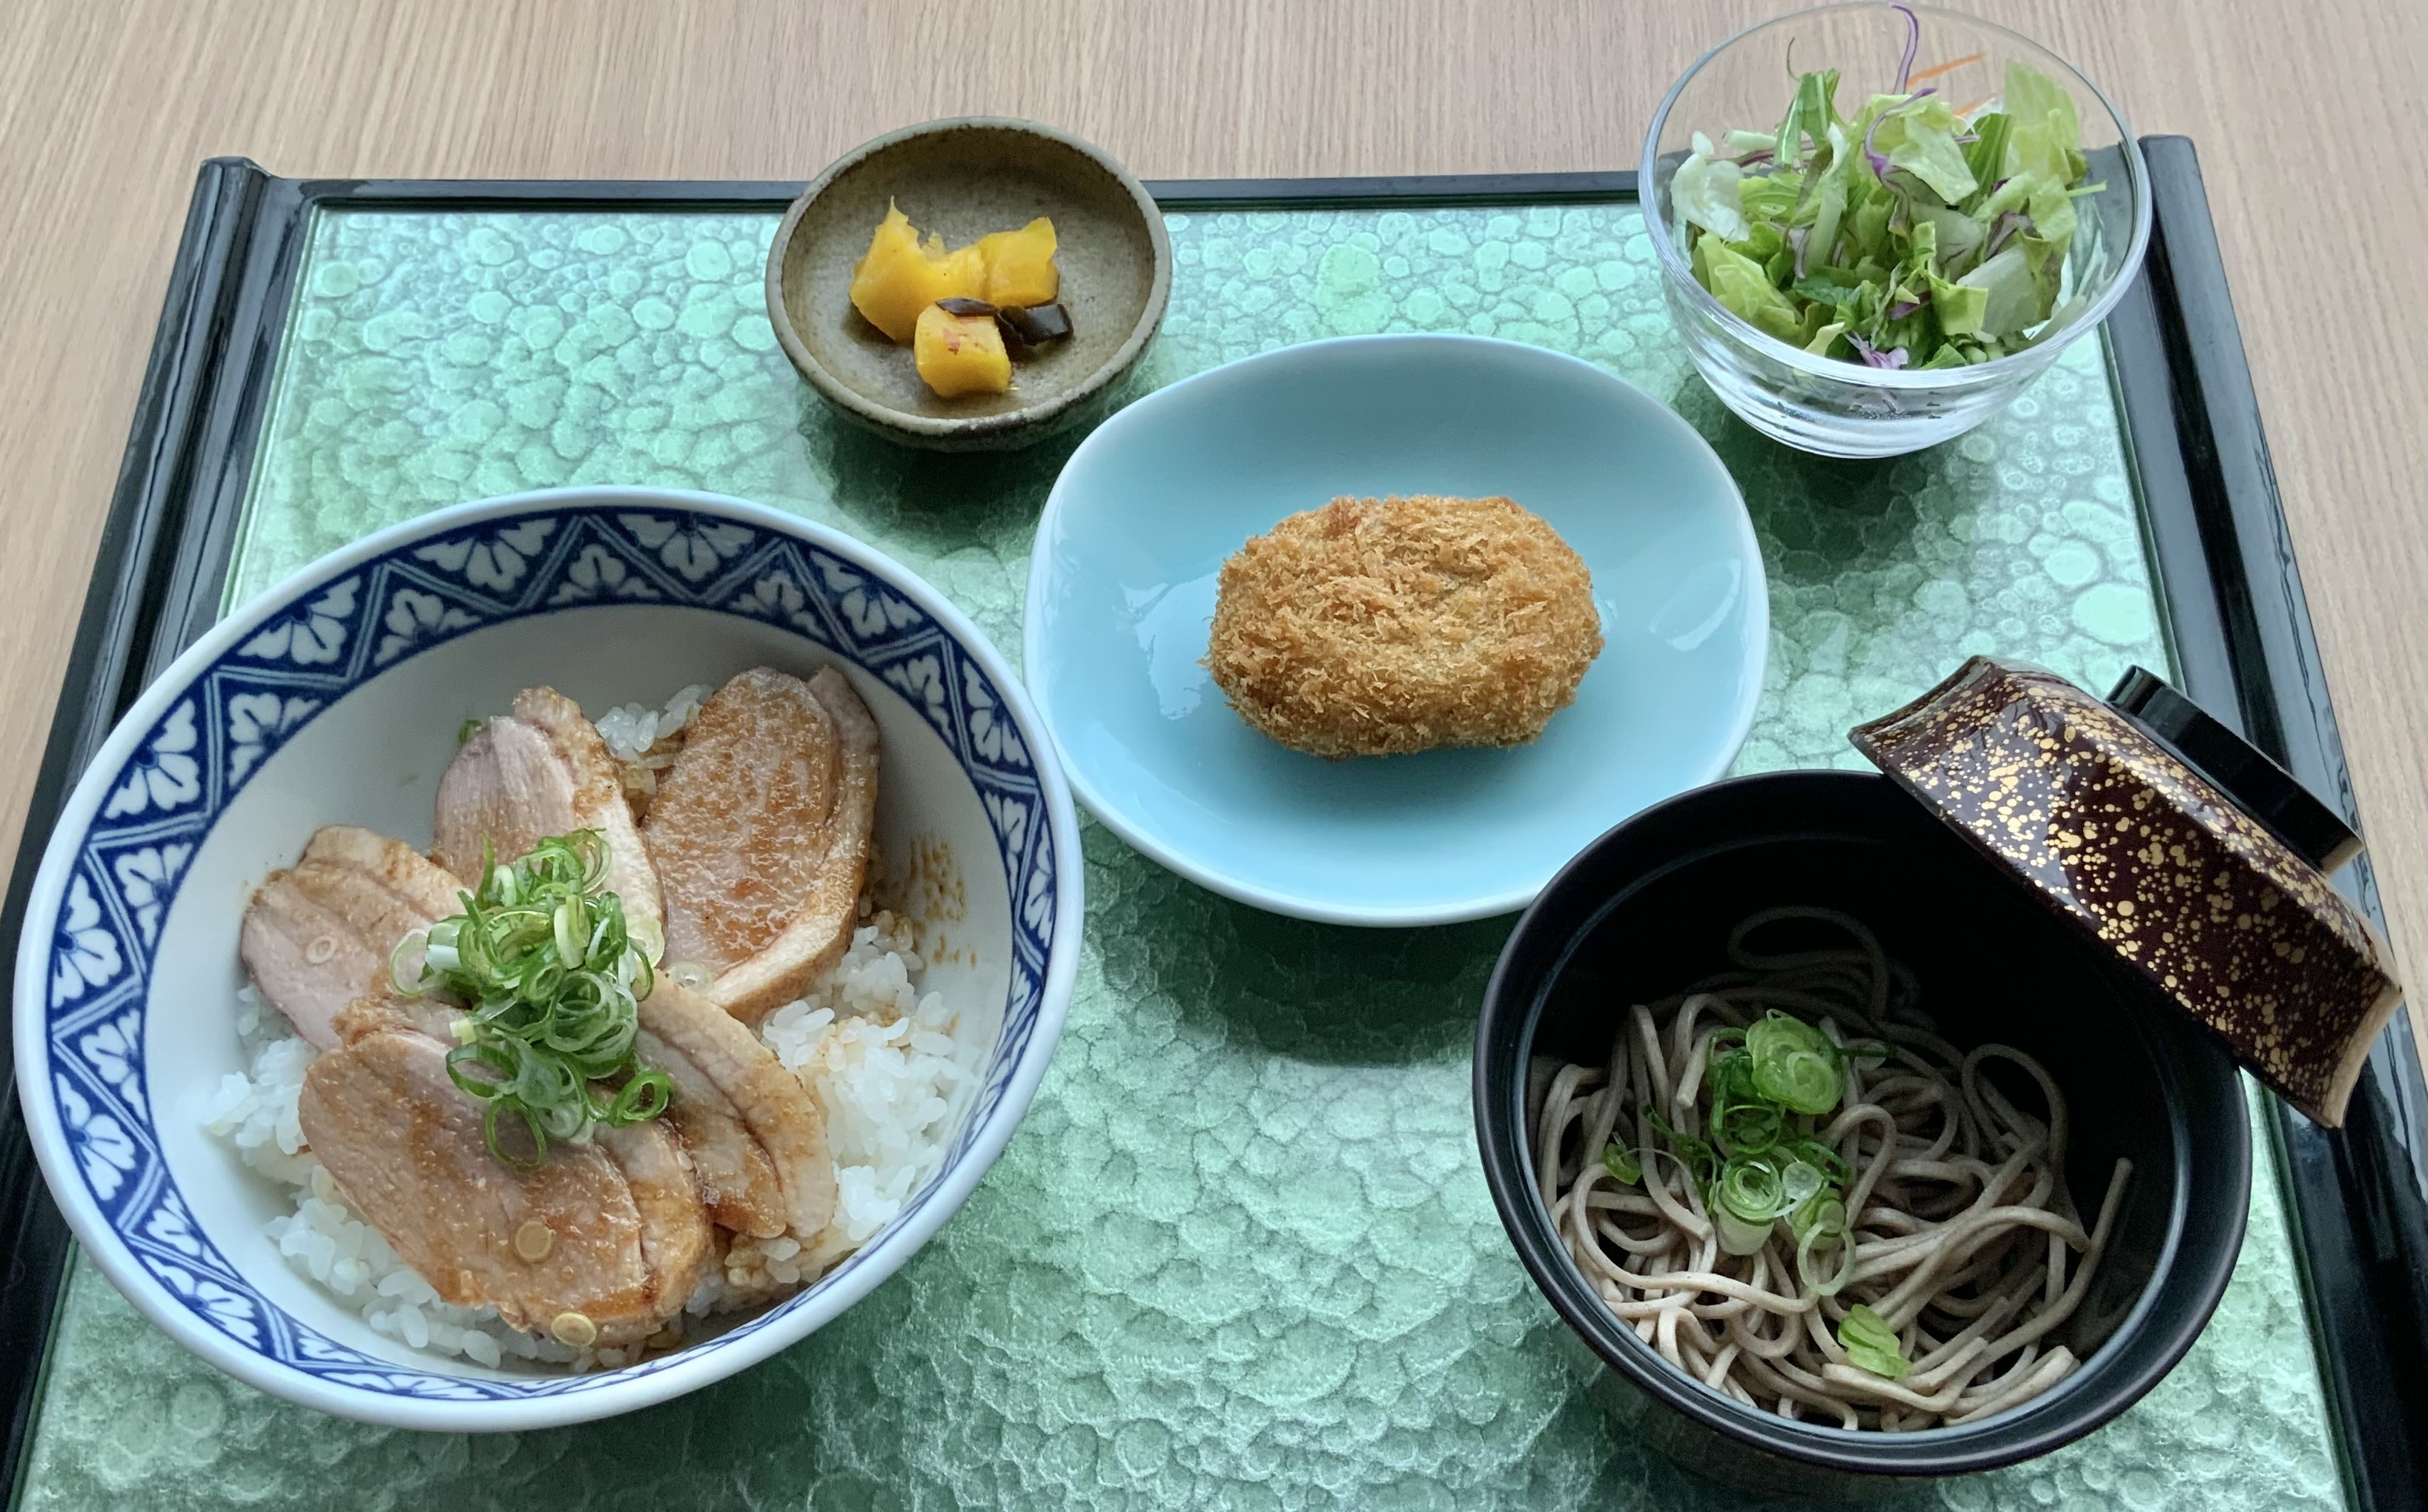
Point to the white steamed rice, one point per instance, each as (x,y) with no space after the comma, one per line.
(644,741)
(881,1059)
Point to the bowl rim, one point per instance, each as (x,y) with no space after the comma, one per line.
(884,1253)
(935,426)
(2001,1438)
(1034,654)
(2030,359)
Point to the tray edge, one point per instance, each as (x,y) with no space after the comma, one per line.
(2227,583)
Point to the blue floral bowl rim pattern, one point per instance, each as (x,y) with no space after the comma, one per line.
(158,785)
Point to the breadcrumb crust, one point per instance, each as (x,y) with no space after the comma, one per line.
(1380,626)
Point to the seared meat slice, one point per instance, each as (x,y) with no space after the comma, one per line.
(726,1169)
(674,1228)
(539,771)
(598,798)
(773,1104)
(506,791)
(316,936)
(700,1161)
(387,1011)
(307,962)
(737,1179)
(430,891)
(759,831)
(405,1145)
(675,1232)
(739,826)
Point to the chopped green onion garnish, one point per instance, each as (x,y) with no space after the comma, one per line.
(1742,1121)
(1795,1065)
(1752,1188)
(1813,1152)
(1768,1086)
(1823,1212)
(1701,1161)
(1871,1344)
(1745,1202)
(550,978)
(1739,1235)
(1800,1180)
(1820,1223)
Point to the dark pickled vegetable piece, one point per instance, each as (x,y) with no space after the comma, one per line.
(1038,324)
(960,306)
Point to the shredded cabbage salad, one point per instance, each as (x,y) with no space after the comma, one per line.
(1915,235)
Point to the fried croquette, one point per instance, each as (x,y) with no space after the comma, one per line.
(1378,627)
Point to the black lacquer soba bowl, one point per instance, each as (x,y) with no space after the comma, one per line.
(1648,908)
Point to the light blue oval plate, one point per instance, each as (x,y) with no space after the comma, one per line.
(1121,585)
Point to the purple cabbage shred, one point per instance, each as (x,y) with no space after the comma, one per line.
(1880,164)
(1913,43)
(1873,356)
(2009,223)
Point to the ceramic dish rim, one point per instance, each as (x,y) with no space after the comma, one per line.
(1034,655)
(939,427)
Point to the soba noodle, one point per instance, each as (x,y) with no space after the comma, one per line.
(1957,1233)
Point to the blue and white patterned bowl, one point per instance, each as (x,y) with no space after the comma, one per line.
(335,697)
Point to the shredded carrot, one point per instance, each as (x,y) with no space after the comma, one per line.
(1949,67)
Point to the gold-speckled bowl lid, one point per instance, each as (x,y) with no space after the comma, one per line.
(2126,839)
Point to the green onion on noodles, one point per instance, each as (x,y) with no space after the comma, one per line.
(1871,1344)
(1793,1064)
(1820,1225)
(549,974)
(1621,1164)
(1785,1181)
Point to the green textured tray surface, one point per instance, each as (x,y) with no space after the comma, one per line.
(1241,1254)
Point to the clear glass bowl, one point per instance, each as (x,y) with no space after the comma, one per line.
(1844,409)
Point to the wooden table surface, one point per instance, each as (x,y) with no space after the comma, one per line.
(2309,124)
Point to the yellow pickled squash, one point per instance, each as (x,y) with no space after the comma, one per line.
(1019,268)
(895,280)
(960,354)
(901,275)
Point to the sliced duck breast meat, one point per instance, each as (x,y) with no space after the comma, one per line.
(541,771)
(316,936)
(558,1248)
(780,1113)
(759,831)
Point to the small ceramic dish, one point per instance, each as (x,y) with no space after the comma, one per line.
(334,697)
(964,179)
(1122,588)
